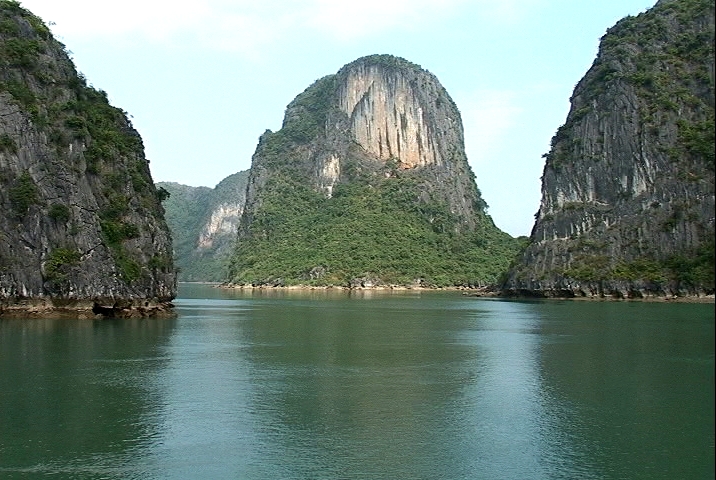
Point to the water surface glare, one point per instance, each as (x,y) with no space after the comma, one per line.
(368,385)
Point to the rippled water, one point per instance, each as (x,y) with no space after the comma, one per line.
(275,385)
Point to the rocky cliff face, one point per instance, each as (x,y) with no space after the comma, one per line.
(379,110)
(203,223)
(381,130)
(386,113)
(223,221)
(628,186)
(81,223)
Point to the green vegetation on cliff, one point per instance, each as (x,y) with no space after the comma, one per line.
(688,270)
(75,186)
(374,228)
(362,232)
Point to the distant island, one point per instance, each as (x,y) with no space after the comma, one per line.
(204,222)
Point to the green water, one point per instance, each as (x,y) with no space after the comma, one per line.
(363,386)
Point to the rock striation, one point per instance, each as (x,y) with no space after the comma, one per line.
(386,115)
(82,227)
(203,222)
(379,136)
(627,205)
(378,110)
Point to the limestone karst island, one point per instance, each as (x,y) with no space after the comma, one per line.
(81,222)
(366,184)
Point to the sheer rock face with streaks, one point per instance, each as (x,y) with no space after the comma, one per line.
(628,186)
(81,222)
(400,114)
(388,116)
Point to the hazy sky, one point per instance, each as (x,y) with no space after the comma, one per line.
(201,80)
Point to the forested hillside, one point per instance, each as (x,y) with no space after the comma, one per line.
(204,222)
(367,183)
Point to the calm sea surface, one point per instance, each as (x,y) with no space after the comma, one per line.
(316,385)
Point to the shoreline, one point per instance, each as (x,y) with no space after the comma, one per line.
(85,309)
(477,292)
(613,298)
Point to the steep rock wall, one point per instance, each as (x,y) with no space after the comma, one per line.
(388,116)
(628,186)
(224,220)
(81,223)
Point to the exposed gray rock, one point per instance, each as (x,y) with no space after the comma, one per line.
(628,186)
(81,223)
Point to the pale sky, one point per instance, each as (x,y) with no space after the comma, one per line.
(202,80)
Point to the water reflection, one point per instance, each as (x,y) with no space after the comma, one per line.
(206,427)
(641,380)
(354,387)
(419,388)
(73,395)
(516,421)
(330,385)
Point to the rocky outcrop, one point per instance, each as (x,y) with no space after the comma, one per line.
(224,220)
(81,222)
(203,223)
(628,186)
(386,112)
(404,116)
(368,177)
(376,111)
